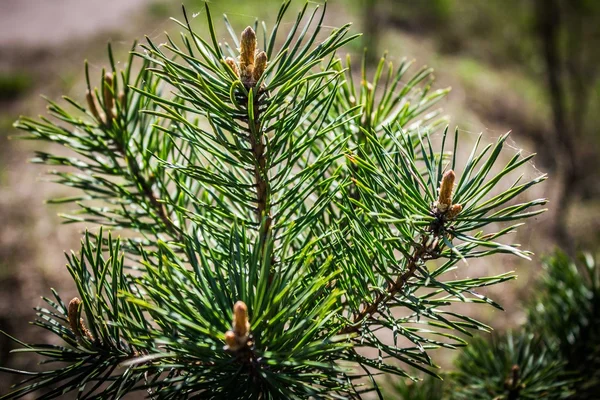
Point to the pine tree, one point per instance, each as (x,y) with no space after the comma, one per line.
(510,366)
(506,366)
(555,354)
(276,229)
(566,315)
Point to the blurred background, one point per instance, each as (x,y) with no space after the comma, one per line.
(529,66)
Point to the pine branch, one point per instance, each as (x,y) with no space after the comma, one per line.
(511,366)
(565,313)
(263,210)
(418,257)
(250,73)
(158,207)
(115,146)
(92,351)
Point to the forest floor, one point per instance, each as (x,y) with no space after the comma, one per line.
(42,48)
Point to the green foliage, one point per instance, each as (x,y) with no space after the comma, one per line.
(429,388)
(510,367)
(566,314)
(294,347)
(13,84)
(322,206)
(117,161)
(556,355)
(506,366)
(405,99)
(90,360)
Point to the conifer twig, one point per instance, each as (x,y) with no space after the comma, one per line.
(255,134)
(147,191)
(393,288)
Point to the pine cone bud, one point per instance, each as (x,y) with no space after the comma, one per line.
(260,65)
(76,324)
(109,99)
(247,50)
(231,341)
(93,106)
(241,326)
(122,99)
(232,64)
(454,210)
(446,187)
(73,315)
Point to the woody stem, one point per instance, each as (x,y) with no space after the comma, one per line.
(261,180)
(393,288)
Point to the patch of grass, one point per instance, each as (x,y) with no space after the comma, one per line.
(480,77)
(4,272)
(14,84)
(6,123)
(242,12)
(160,9)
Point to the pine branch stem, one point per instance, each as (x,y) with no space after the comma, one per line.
(147,191)
(393,288)
(257,144)
(158,207)
(264,218)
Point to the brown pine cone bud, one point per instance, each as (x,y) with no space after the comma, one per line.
(231,341)
(446,187)
(260,65)
(453,211)
(109,99)
(73,314)
(76,324)
(93,106)
(232,64)
(241,326)
(247,50)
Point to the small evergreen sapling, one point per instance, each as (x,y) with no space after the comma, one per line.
(566,314)
(278,220)
(555,355)
(511,367)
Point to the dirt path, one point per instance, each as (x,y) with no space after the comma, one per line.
(37,23)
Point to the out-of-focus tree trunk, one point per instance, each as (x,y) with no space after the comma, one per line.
(372,29)
(549,26)
(582,67)
(563,28)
